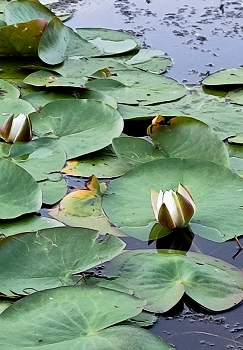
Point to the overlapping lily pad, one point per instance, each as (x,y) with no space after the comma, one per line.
(78,317)
(225,118)
(39,157)
(216,190)
(131,86)
(54,188)
(81,126)
(19,192)
(27,223)
(48,258)
(103,163)
(21,39)
(188,138)
(165,277)
(63,42)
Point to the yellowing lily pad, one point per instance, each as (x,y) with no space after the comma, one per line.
(82,208)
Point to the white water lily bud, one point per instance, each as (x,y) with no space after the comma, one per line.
(16,129)
(173,209)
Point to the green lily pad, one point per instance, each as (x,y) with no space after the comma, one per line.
(58,42)
(235,96)
(53,189)
(7,90)
(81,318)
(110,42)
(41,98)
(103,163)
(134,151)
(188,138)
(150,61)
(27,223)
(9,106)
(48,258)
(165,277)
(131,86)
(4,149)
(25,10)
(11,68)
(148,112)
(39,157)
(216,190)
(19,192)
(81,126)
(233,76)
(225,118)
(4,304)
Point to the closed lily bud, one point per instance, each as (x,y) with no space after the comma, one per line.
(16,129)
(173,209)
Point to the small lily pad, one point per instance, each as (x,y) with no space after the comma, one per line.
(53,189)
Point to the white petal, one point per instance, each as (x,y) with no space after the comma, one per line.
(16,127)
(154,201)
(160,199)
(186,194)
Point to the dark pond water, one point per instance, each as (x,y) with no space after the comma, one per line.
(201,36)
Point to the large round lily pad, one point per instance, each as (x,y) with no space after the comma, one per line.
(75,318)
(81,126)
(216,190)
(19,192)
(163,278)
(48,258)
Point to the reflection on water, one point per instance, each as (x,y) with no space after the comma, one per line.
(200,36)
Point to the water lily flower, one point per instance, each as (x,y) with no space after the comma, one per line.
(16,129)
(173,209)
